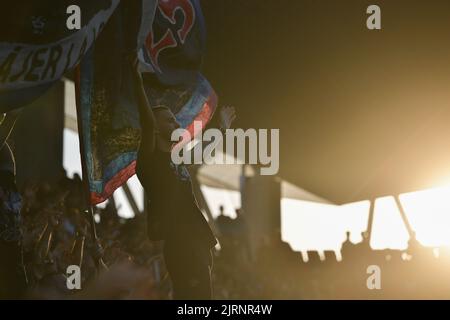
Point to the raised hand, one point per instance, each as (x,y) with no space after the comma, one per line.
(227,116)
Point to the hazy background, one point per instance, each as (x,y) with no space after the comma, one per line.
(362,113)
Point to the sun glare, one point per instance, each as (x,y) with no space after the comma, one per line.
(429,214)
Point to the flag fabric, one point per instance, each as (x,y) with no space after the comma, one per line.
(173,55)
(169,36)
(107,101)
(170,59)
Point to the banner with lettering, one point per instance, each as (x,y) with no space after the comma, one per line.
(170,36)
(42,49)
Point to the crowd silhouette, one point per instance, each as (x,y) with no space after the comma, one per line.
(278,272)
(56,234)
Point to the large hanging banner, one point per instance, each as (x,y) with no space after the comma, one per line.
(169,36)
(170,57)
(107,101)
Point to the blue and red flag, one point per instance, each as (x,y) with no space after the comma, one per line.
(170,38)
(170,55)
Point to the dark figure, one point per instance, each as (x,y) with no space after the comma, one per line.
(174,215)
